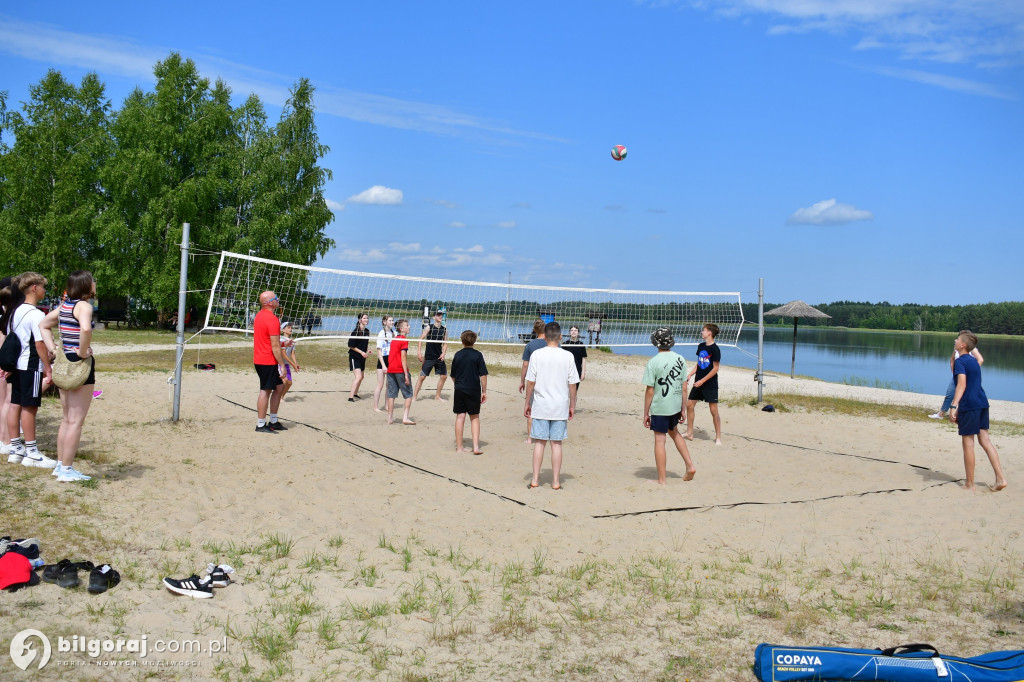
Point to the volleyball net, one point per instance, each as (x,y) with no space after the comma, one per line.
(323,303)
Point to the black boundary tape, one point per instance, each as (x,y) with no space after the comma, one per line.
(398,461)
(733,505)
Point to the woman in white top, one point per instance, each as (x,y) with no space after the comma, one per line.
(384,337)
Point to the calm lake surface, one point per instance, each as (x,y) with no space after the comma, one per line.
(908,362)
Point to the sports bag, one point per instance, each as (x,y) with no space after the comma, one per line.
(10,351)
(906,663)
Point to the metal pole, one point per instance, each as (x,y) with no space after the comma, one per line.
(760,339)
(792,366)
(182,288)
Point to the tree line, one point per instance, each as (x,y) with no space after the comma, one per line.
(981,318)
(85,186)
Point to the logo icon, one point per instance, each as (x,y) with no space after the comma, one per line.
(23,654)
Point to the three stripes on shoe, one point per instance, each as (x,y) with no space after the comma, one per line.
(201,588)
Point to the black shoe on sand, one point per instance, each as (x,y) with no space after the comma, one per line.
(102,578)
(191,586)
(65,572)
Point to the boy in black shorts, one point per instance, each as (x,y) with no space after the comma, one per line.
(433,358)
(705,385)
(665,379)
(469,372)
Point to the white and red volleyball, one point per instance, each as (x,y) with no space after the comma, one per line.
(619,152)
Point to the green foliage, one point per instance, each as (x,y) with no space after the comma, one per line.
(984,318)
(83,186)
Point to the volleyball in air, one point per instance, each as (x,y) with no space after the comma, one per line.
(618,152)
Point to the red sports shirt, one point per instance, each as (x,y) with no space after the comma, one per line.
(264,326)
(398,344)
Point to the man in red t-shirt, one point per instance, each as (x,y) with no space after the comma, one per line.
(269,362)
(399,378)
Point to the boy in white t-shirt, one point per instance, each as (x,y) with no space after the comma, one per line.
(33,370)
(551,380)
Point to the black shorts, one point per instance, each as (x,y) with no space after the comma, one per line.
(663,424)
(91,381)
(705,393)
(465,403)
(269,378)
(971,422)
(356,361)
(382,366)
(437,364)
(27,388)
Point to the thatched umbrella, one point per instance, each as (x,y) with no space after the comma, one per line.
(796,310)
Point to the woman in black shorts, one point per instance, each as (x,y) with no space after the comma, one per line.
(358,351)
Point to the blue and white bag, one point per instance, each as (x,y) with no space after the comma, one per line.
(907,663)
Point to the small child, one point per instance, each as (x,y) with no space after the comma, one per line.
(470,373)
(705,383)
(288,347)
(969,410)
(665,378)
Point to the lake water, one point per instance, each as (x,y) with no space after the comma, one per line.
(918,363)
(909,362)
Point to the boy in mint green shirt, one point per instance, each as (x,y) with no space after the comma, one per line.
(665,378)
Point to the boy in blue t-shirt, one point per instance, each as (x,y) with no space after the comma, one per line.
(665,379)
(969,410)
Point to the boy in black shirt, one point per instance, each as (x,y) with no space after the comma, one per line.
(469,372)
(433,358)
(705,385)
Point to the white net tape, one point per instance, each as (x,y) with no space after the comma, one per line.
(325,303)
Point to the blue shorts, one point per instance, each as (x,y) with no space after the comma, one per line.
(969,423)
(549,429)
(664,423)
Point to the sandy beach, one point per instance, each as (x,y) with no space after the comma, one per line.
(374,551)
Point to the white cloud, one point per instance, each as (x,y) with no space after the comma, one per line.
(106,54)
(334,205)
(477,248)
(444,203)
(456,223)
(507,224)
(980,32)
(400,247)
(954,83)
(828,212)
(378,195)
(361,256)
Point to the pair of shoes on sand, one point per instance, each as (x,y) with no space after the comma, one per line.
(217,575)
(64,573)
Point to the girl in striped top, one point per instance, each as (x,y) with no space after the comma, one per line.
(74,317)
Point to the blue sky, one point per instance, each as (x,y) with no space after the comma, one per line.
(842,149)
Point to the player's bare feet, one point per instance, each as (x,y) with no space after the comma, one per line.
(408,422)
(654,481)
(688,436)
(528,441)
(460,449)
(437,398)
(969,488)
(690,473)
(377,409)
(999,486)
(718,441)
(477,451)
(390,422)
